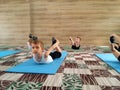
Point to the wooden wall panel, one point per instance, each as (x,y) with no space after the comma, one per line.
(93,20)
(14,22)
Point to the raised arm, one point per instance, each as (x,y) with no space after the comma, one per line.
(71,41)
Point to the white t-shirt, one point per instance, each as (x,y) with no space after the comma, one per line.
(43,59)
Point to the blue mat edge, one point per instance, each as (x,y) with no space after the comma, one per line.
(12,52)
(9,69)
(106,61)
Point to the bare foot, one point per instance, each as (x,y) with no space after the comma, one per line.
(53,40)
(57,41)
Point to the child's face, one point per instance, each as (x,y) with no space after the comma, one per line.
(77,39)
(36,48)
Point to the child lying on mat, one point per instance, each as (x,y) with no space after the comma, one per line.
(42,56)
(75,44)
(115,45)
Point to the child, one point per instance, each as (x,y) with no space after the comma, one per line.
(75,44)
(115,45)
(42,56)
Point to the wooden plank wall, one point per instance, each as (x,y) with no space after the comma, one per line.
(92,20)
(14,22)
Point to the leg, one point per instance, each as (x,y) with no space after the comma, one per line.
(57,47)
(54,46)
(54,40)
(117,38)
(115,52)
(57,53)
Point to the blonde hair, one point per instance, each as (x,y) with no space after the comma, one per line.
(38,41)
(78,37)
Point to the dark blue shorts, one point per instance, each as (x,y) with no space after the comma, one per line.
(74,47)
(55,54)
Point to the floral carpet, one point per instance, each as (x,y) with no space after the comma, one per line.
(81,70)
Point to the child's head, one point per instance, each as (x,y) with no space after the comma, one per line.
(77,39)
(37,44)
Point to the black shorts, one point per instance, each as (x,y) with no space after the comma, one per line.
(119,58)
(55,54)
(74,47)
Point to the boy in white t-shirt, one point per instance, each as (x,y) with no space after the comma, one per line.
(42,56)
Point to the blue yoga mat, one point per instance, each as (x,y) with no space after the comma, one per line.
(111,60)
(8,52)
(31,67)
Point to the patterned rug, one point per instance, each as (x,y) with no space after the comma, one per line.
(81,70)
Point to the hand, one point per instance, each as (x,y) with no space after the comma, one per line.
(70,38)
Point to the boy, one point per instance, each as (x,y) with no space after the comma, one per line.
(115,46)
(42,56)
(75,44)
